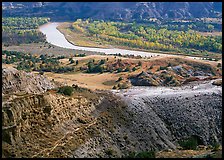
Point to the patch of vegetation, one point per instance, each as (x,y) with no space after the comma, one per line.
(134,69)
(29,62)
(95,68)
(110,152)
(127,69)
(110,83)
(119,70)
(162,68)
(215,147)
(71,60)
(80,55)
(121,85)
(80,89)
(144,154)
(66,90)
(168,79)
(18,30)
(119,79)
(167,37)
(190,143)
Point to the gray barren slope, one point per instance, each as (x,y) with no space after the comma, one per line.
(157,118)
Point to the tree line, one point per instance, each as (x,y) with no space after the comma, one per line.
(148,37)
(19,30)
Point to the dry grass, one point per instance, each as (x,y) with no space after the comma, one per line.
(180,153)
(8,65)
(108,80)
(211,33)
(90,81)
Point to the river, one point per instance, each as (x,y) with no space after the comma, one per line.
(55,37)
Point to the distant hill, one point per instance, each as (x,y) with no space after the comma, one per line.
(127,11)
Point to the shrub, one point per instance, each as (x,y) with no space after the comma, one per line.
(41,72)
(146,154)
(94,69)
(190,143)
(162,68)
(102,61)
(72,61)
(219,65)
(122,86)
(66,90)
(139,63)
(119,79)
(119,70)
(114,87)
(134,69)
(127,69)
(168,79)
(215,147)
(109,151)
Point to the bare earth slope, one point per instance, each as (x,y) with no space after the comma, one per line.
(103,124)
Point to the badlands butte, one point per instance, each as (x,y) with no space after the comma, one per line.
(147,111)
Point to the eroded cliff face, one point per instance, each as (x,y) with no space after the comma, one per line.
(14,81)
(32,123)
(105,124)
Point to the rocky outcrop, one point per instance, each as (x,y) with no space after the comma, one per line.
(175,75)
(217,82)
(144,79)
(14,81)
